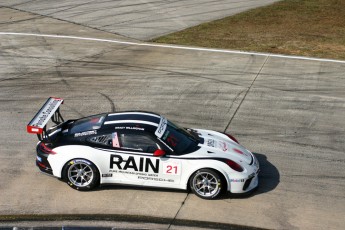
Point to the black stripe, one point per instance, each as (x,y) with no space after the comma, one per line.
(139,117)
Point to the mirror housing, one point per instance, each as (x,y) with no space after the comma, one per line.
(159,153)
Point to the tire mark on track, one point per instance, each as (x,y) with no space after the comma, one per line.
(112,104)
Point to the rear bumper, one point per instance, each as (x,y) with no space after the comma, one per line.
(42,162)
(44,166)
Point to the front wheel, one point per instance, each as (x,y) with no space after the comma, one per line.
(81,174)
(206,184)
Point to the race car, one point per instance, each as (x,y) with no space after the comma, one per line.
(140,148)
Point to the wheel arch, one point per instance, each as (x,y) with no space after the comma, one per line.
(66,153)
(221,174)
(63,176)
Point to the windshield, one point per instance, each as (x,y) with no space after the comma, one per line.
(179,139)
(88,123)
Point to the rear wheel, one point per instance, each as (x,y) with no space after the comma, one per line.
(81,174)
(206,183)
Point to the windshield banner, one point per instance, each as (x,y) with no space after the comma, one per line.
(161,127)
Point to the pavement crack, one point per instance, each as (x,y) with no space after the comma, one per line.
(245,95)
(178,211)
(236,97)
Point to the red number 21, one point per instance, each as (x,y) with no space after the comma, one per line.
(170,168)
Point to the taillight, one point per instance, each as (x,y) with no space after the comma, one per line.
(45,149)
(232,138)
(41,165)
(234,165)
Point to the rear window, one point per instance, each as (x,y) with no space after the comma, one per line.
(88,123)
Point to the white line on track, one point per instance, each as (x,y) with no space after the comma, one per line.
(172,46)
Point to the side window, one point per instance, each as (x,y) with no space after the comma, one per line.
(102,140)
(137,142)
(127,141)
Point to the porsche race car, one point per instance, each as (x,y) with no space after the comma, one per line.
(140,148)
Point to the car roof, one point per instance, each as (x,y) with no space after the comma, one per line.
(133,121)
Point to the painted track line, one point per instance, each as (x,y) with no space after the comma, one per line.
(173,46)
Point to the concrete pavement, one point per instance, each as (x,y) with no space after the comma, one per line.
(143,20)
(290,112)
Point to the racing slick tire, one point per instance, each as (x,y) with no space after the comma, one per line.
(206,184)
(81,174)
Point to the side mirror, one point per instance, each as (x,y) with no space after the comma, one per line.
(159,153)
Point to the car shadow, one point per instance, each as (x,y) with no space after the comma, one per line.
(137,188)
(269,178)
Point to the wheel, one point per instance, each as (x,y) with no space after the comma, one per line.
(206,184)
(81,174)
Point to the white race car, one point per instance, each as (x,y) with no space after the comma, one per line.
(140,148)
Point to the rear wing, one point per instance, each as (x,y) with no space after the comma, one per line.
(50,110)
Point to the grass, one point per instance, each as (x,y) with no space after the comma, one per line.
(314,28)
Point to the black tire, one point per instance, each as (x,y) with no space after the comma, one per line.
(81,174)
(206,184)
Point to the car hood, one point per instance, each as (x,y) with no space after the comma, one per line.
(219,145)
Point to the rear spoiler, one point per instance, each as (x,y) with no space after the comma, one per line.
(50,110)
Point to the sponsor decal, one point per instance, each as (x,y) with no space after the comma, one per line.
(107,175)
(79,161)
(161,127)
(211,143)
(223,146)
(131,128)
(46,112)
(87,133)
(155,179)
(236,180)
(144,164)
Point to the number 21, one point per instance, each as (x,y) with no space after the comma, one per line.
(170,168)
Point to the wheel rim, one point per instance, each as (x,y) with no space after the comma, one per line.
(205,184)
(80,174)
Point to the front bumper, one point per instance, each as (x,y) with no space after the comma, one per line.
(244,185)
(253,179)
(251,183)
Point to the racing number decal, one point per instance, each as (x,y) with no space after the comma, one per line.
(169,168)
(172,168)
(172,140)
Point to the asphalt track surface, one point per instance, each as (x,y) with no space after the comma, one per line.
(289,111)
